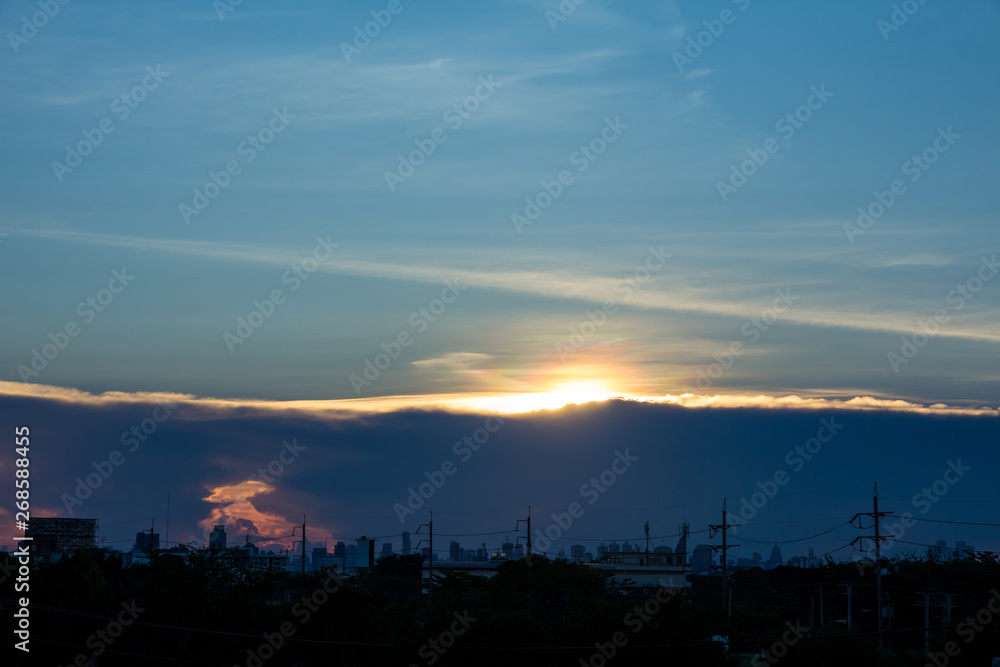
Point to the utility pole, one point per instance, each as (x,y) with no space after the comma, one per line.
(927,621)
(430,582)
(848,587)
(822,623)
(948,605)
(684,531)
(430,557)
(724,527)
(876,518)
(878,569)
(527,522)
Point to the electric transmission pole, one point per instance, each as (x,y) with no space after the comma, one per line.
(527,522)
(430,558)
(724,527)
(849,624)
(876,518)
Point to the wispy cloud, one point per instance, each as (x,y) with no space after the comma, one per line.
(671,293)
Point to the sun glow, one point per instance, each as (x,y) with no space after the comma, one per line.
(567,393)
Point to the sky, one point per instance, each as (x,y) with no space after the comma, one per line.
(288,226)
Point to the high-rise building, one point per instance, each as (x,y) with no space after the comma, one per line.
(407,549)
(775,558)
(365,552)
(320,559)
(701,559)
(577,551)
(455,550)
(386,549)
(218,537)
(145,541)
(52,536)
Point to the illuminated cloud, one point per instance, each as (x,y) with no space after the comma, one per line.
(235,508)
(573,389)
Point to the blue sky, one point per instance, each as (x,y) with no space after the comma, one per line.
(642,276)
(656,185)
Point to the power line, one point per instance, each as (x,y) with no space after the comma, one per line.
(801,539)
(960,523)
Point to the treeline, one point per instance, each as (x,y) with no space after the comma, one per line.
(202,610)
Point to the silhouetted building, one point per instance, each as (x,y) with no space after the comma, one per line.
(218,537)
(775,558)
(638,568)
(145,541)
(577,551)
(407,549)
(321,559)
(364,553)
(701,559)
(53,537)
